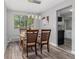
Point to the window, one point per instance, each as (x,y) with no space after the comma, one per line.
(22,21)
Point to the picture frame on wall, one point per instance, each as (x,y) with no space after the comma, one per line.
(45,20)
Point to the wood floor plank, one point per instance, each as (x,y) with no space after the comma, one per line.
(13,52)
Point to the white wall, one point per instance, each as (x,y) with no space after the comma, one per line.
(53,21)
(73,28)
(5,28)
(12,32)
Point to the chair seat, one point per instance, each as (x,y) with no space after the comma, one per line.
(29,44)
(44,41)
(39,41)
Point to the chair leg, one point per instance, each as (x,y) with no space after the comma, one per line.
(35,50)
(41,48)
(47,47)
(27,51)
(22,54)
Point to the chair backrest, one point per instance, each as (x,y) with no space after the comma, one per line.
(45,34)
(32,36)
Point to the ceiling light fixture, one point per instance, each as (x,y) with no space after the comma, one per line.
(35,1)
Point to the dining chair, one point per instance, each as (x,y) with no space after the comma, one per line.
(31,40)
(45,35)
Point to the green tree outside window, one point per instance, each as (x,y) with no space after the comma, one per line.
(22,21)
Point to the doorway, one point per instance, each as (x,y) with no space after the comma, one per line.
(64,24)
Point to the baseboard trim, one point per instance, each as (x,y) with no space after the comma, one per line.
(53,44)
(72,52)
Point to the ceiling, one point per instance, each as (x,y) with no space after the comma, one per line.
(24,5)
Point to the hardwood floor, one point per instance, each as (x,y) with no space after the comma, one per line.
(67,45)
(13,52)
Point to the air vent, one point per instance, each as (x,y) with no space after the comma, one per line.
(35,1)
